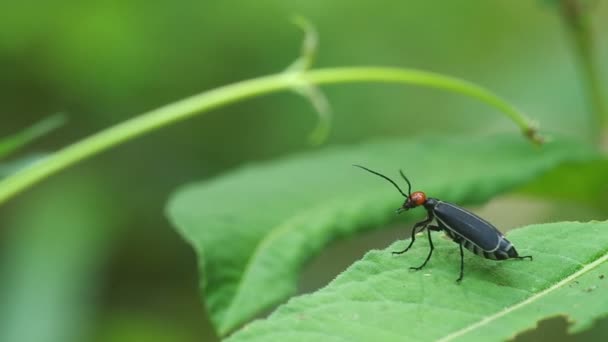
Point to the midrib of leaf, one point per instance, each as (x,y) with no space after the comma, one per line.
(529,300)
(275,232)
(286,226)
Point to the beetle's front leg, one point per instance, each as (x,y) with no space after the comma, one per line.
(422,224)
(428,257)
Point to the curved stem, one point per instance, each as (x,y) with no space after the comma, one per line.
(202,103)
(427,79)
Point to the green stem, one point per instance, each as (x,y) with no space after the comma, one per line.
(203,102)
(576,16)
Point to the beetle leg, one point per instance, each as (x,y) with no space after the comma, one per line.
(461,264)
(422,224)
(428,257)
(524,257)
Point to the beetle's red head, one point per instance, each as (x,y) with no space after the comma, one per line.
(414,200)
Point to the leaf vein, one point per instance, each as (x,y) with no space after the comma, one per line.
(531,299)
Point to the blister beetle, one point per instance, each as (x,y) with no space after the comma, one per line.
(462,226)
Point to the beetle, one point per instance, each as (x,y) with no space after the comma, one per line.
(462,226)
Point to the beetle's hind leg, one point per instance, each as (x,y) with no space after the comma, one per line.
(422,224)
(524,257)
(428,257)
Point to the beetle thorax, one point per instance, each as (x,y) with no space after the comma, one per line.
(430,203)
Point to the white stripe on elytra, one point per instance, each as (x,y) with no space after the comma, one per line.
(464,211)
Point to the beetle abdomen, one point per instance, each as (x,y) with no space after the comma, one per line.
(504,251)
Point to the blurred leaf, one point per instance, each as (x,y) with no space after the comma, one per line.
(50,262)
(378,298)
(253,229)
(583,182)
(14,142)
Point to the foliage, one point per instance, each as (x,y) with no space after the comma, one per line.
(88,256)
(378,298)
(15,142)
(254,228)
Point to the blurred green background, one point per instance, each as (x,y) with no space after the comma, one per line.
(88,255)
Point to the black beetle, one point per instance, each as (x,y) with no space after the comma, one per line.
(462,226)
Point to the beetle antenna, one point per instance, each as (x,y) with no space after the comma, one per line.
(383,176)
(409,185)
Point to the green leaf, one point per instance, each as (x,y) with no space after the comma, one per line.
(19,140)
(378,298)
(254,228)
(583,182)
(52,254)
(14,142)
